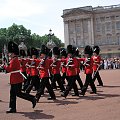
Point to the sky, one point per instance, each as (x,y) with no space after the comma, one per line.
(42,15)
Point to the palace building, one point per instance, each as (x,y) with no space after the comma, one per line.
(93,26)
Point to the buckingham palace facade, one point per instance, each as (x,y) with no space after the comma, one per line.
(93,26)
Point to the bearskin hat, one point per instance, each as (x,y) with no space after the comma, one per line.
(77,52)
(22,53)
(56,51)
(63,52)
(88,50)
(44,50)
(96,49)
(13,48)
(34,51)
(70,49)
(50,53)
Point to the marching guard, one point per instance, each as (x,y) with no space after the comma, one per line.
(44,64)
(88,63)
(78,69)
(63,55)
(16,79)
(56,69)
(23,62)
(71,64)
(35,81)
(28,70)
(96,65)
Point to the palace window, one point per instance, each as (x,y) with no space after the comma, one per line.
(98,27)
(78,41)
(118,25)
(108,26)
(118,38)
(85,26)
(109,39)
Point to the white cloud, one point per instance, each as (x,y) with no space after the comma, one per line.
(21,8)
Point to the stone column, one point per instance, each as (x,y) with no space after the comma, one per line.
(82,37)
(66,33)
(89,32)
(74,32)
(92,31)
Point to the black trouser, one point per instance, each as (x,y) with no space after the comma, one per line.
(90,82)
(15,90)
(45,83)
(57,77)
(51,77)
(79,80)
(35,81)
(27,82)
(63,78)
(97,75)
(71,84)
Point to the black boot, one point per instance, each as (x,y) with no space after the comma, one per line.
(51,98)
(34,102)
(11,110)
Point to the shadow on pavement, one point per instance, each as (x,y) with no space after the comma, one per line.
(36,115)
(111,86)
(99,96)
(61,102)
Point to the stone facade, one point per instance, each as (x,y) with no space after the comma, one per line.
(93,26)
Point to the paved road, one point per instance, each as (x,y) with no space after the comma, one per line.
(105,105)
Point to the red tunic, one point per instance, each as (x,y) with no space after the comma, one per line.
(50,62)
(56,68)
(88,68)
(63,68)
(44,70)
(96,62)
(78,67)
(28,69)
(14,66)
(23,62)
(33,67)
(71,70)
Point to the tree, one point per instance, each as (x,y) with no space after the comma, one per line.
(18,33)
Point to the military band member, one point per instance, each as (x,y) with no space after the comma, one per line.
(35,81)
(88,63)
(16,79)
(49,56)
(78,69)
(96,64)
(63,65)
(44,64)
(23,62)
(28,69)
(56,69)
(71,63)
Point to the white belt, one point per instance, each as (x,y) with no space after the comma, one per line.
(19,72)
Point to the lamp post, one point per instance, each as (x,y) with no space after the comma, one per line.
(50,43)
(50,35)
